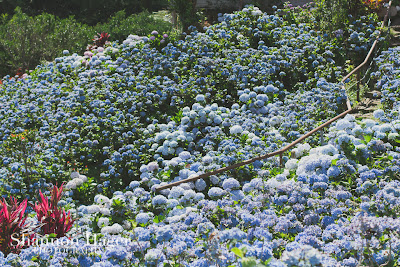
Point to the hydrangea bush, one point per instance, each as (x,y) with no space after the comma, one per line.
(119,107)
(123,119)
(387,79)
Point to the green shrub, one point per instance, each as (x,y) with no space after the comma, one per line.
(25,40)
(120,26)
(335,14)
(85,11)
(71,35)
(21,41)
(188,15)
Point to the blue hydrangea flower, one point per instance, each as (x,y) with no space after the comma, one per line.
(159,200)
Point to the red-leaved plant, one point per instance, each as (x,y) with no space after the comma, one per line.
(99,40)
(53,219)
(13,226)
(16,234)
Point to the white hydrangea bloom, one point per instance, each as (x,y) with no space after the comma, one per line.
(369,123)
(103,221)
(344,124)
(393,136)
(236,129)
(93,209)
(152,166)
(74,175)
(324,150)
(114,229)
(126,225)
(78,181)
(291,164)
(103,201)
(105,211)
(83,178)
(70,185)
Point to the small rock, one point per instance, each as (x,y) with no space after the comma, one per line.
(393,11)
(383,10)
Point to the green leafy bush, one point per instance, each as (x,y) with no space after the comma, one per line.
(85,11)
(188,14)
(335,14)
(70,34)
(120,26)
(21,41)
(25,40)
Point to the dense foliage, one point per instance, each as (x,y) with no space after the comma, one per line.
(152,110)
(25,41)
(336,14)
(85,11)
(120,25)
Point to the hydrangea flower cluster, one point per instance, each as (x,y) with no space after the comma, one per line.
(387,81)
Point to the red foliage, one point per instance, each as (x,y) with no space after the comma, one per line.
(16,234)
(99,40)
(54,220)
(19,72)
(12,224)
